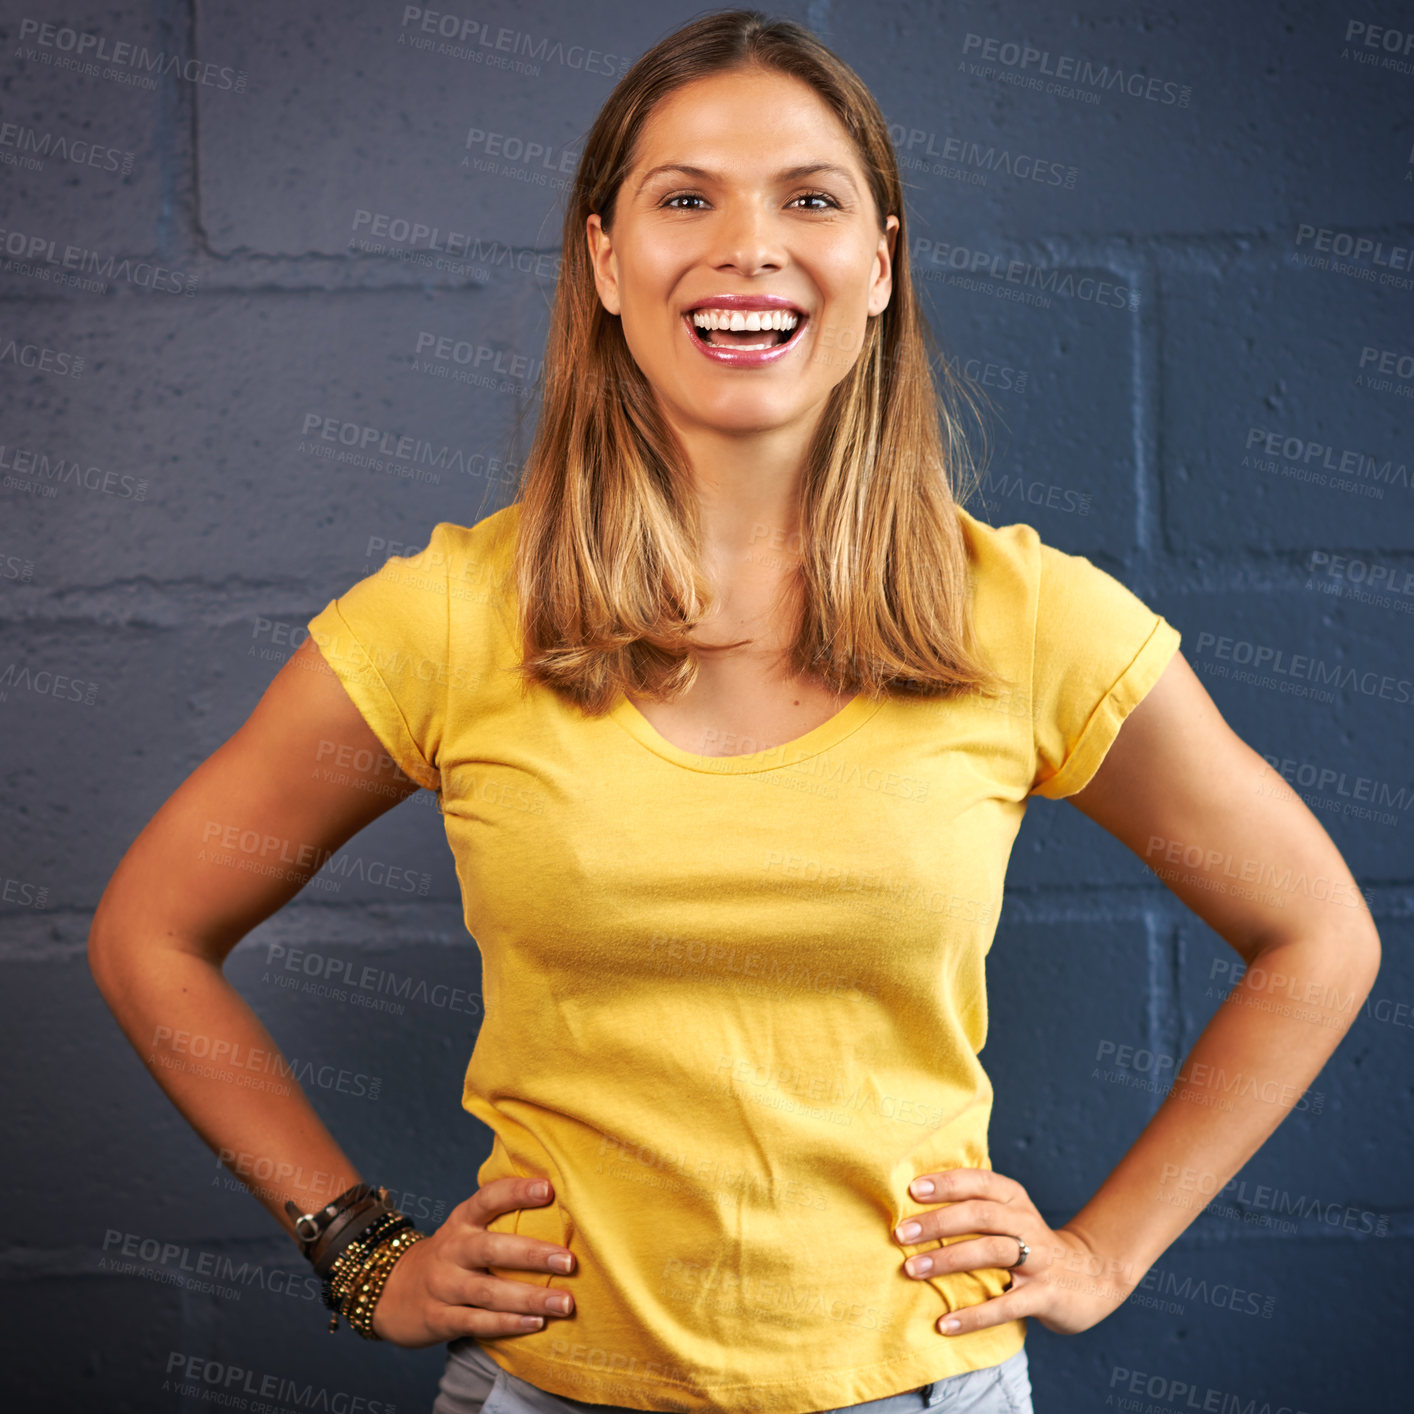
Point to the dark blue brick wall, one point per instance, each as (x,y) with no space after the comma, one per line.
(1209,308)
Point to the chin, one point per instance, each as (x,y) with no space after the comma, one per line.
(745,415)
(781,403)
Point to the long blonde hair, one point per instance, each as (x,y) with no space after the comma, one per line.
(607,559)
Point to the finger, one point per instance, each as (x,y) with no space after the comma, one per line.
(995,1311)
(503,1195)
(449,1322)
(453,1321)
(970,1215)
(952,1185)
(989,1251)
(504,1295)
(479,1247)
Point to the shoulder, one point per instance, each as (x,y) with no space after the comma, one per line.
(462,556)
(1000,551)
(1057,587)
(459,568)
(490,538)
(1034,603)
(1004,572)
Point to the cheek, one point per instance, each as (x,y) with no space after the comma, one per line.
(847,314)
(840,337)
(646,312)
(645,330)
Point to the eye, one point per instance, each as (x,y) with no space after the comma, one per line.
(668,201)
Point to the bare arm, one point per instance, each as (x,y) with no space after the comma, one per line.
(195,882)
(1242,850)
(1197,804)
(236,841)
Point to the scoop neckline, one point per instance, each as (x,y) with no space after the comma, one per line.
(858,710)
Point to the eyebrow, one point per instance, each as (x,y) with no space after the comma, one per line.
(786,174)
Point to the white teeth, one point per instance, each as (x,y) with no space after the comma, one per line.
(730,319)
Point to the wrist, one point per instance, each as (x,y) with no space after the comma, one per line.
(353,1243)
(1107,1273)
(357,1283)
(323,1232)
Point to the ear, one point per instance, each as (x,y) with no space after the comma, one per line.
(603,262)
(883,287)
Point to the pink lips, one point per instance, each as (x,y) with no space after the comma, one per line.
(745,358)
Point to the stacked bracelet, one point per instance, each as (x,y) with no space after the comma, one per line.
(349,1262)
(364,1288)
(353,1243)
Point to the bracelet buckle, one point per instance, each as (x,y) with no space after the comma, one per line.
(309,1227)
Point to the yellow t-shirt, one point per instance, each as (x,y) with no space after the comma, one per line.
(734,1003)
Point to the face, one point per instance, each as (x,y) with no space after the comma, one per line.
(743,225)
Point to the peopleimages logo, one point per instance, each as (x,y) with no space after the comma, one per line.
(1180,1394)
(32,253)
(442,32)
(919,150)
(963,265)
(1268,659)
(1379,46)
(1323,460)
(216,1382)
(65,47)
(28,147)
(1031,67)
(1370,260)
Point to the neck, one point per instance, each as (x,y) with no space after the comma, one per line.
(748,494)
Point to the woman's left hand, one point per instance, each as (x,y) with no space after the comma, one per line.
(1063,1283)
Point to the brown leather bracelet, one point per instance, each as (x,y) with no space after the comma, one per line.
(312,1230)
(343,1233)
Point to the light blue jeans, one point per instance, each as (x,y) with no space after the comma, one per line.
(473,1383)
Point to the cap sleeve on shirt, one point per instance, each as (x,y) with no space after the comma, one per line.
(1098,650)
(387,641)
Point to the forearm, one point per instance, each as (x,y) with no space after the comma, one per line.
(221,1068)
(1249,1068)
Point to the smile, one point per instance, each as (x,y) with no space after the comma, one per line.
(724,335)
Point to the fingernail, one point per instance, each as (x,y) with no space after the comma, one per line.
(562,1261)
(922,1187)
(559,1303)
(532,1322)
(951,1325)
(539,1190)
(909,1230)
(917,1266)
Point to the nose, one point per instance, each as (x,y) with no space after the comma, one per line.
(747,238)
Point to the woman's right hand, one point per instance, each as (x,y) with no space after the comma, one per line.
(439,1289)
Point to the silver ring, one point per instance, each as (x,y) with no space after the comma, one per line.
(1025,1251)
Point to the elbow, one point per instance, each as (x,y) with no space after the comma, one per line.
(1350,955)
(100,952)
(1358,949)
(1366,954)
(107,937)
(1346,953)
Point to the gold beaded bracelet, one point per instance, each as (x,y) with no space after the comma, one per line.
(366,1287)
(354,1253)
(347,1268)
(358,1286)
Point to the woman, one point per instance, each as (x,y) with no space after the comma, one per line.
(731,1029)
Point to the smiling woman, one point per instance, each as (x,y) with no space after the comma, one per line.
(646,241)
(741,167)
(732,826)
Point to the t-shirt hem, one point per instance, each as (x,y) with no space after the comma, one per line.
(828,1389)
(370,694)
(1103,727)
